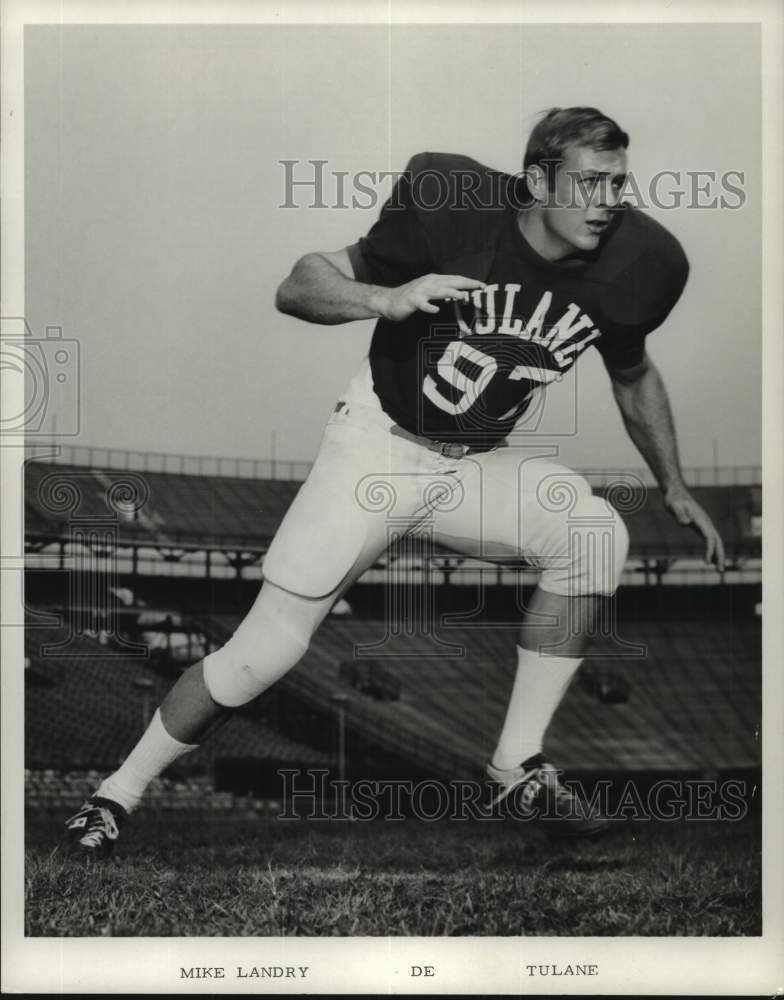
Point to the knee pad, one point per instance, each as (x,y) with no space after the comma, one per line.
(587,550)
(255,657)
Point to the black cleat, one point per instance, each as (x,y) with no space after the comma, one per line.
(540,795)
(94,830)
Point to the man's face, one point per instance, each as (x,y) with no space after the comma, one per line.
(587,188)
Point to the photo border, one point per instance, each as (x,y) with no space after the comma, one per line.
(629,966)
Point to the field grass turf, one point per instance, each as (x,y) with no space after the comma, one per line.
(217,875)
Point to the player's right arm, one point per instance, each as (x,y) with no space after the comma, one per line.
(322,288)
(389,274)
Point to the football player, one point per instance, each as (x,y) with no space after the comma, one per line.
(485,289)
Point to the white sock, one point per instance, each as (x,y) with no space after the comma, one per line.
(539,686)
(154,752)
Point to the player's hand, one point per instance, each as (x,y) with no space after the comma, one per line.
(686,511)
(421,294)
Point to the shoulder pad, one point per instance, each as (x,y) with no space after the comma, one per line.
(643,268)
(460,204)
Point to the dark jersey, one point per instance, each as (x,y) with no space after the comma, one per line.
(469,373)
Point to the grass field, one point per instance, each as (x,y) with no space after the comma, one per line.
(239,875)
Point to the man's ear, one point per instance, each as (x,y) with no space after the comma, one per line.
(536,179)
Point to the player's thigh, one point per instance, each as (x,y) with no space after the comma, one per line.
(338,524)
(512,506)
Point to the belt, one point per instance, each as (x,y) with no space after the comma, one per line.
(448,449)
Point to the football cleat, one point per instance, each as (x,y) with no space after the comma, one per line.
(95,828)
(539,794)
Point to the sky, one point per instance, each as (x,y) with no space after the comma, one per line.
(155,237)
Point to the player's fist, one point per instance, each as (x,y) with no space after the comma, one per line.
(421,294)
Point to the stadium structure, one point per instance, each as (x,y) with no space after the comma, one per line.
(139,563)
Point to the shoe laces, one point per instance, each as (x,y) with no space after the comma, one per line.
(529,791)
(533,782)
(100,823)
(552,782)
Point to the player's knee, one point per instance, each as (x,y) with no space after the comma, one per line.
(588,550)
(252,660)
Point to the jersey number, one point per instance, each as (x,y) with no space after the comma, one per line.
(472,388)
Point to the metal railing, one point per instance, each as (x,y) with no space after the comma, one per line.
(694,475)
(283,469)
(172,463)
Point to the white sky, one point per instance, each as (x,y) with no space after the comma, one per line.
(154,236)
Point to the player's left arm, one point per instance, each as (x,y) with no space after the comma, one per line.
(645,407)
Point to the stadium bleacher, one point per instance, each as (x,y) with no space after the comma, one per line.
(694,704)
(53,789)
(179,508)
(654,532)
(694,701)
(91,711)
(217,510)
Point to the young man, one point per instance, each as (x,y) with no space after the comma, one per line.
(485,288)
